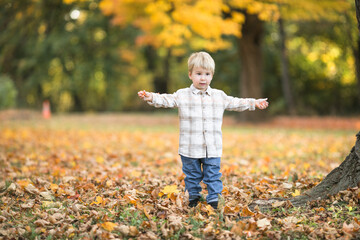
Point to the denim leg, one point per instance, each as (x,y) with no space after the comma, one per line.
(192,169)
(212,176)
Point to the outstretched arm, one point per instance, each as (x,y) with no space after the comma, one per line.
(261,103)
(146,96)
(159,100)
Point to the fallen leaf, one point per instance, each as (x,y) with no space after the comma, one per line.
(287,185)
(296,193)
(263,223)
(12,187)
(41,223)
(47,195)
(124,230)
(98,200)
(28,204)
(168,190)
(31,189)
(23,183)
(108,226)
(246,212)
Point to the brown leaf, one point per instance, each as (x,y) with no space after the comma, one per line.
(263,223)
(133,231)
(349,228)
(31,189)
(41,223)
(12,187)
(278,204)
(28,204)
(124,230)
(46,195)
(175,222)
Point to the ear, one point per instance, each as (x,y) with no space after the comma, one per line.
(189,74)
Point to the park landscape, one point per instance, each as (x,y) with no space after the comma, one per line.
(82,157)
(118,176)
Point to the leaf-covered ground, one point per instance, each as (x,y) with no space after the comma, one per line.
(107,177)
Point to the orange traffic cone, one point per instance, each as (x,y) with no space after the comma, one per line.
(46,112)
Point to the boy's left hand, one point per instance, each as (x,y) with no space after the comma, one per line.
(261,103)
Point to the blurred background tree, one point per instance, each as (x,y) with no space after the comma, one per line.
(8,92)
(95,55)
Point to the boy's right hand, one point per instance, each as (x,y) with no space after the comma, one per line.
(146,96)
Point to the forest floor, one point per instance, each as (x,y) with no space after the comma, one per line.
(106,176)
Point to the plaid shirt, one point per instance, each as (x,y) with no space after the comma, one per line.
(201,115)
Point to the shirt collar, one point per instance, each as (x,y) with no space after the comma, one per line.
(197,91)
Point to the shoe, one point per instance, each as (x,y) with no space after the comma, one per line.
(214,205)
(194,202)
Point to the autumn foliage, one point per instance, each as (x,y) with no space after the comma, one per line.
(114,177)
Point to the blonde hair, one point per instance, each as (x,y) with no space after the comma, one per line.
(201,59)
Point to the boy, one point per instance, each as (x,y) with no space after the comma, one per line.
(201,111)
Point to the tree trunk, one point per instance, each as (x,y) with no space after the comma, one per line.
(356,52)
(345,176)
(250,52)
(285,78)
(160,70)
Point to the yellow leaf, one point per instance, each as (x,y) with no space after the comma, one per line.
(109,183)
(307,166)
(99,159)
(51,204)
(98,200)
(108,226)
(54,187)
(169,190)
(135,174)
(296,193)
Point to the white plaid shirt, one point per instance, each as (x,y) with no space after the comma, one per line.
(201,115)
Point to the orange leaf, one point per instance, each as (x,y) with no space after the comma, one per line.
(108,226)
(23,183)
(246,212)
(98,200)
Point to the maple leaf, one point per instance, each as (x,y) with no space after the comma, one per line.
(169,190)
(108,226)
(296,193)
(98,200)
(23,183)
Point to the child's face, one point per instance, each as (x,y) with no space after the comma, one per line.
(201,78)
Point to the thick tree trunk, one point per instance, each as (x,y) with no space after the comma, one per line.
(250,53)
(285,77)
(346,176)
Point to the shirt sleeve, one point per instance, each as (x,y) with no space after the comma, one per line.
(164,100)
(239,104)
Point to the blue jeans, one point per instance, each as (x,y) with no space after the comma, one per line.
(209,174)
